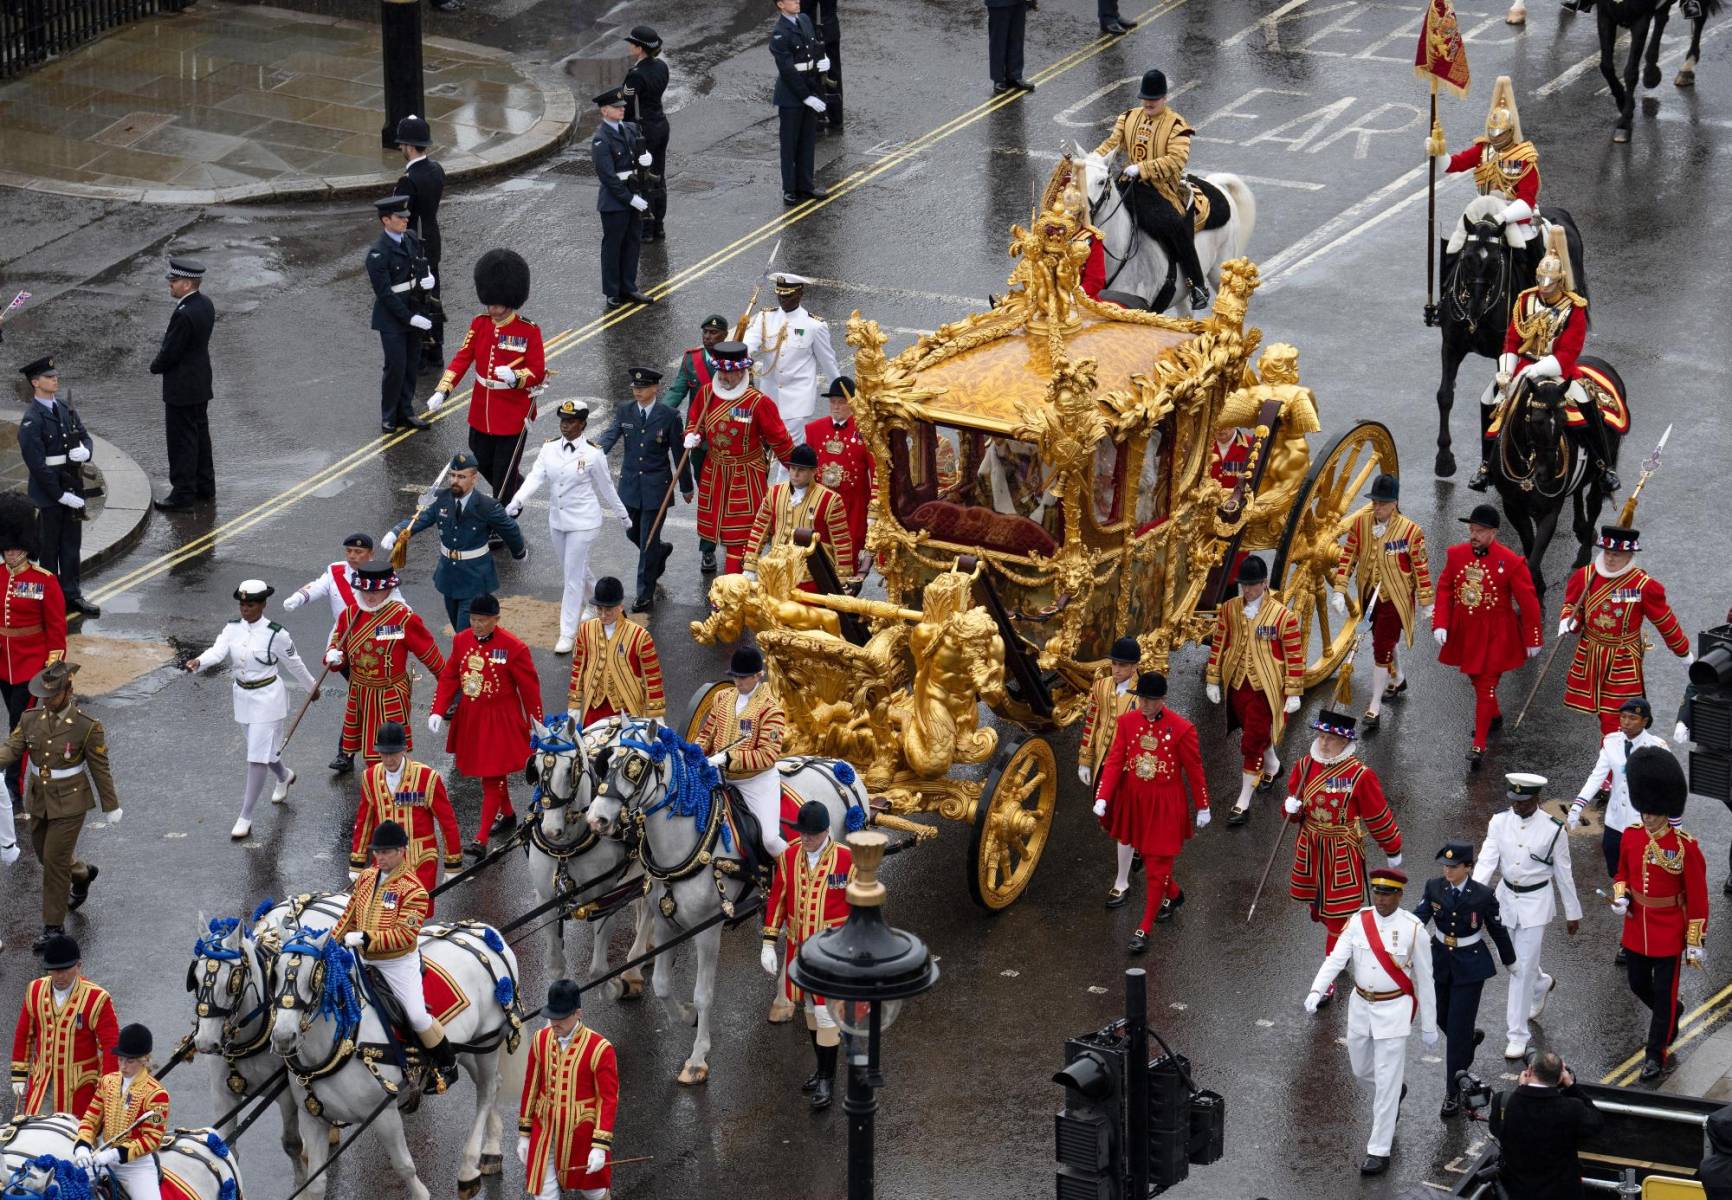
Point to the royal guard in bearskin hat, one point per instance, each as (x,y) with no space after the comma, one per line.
(374,639)
(32,613)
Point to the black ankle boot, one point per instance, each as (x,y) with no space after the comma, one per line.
(821,1093)
(817,1074)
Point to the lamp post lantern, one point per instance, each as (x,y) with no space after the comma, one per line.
(864,969)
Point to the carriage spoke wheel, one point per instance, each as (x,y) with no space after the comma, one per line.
(1012,820)
(700,705)
(1332,498)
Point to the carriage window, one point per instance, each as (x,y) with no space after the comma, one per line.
(913,474)
(1150,506)
(1108,478)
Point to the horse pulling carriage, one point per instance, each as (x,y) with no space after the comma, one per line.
(1045,484)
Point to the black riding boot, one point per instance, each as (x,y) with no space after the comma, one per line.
(1482,478)
(444,1067)
(1193,269)
(826,1077)
(1600,442)
(817,1074)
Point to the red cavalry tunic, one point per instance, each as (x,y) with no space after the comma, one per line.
(515,343)
(497,693)
(377,645)
(421,807)
(1607,667)
(618,674)
(1513,174)
(1537,329)
(819,510)
(32,622)
(131,1120)
(1329,857)
(60,1053)
(806,899)
(735,475)
(570,1100)
(1143,782)
(1666,881)
(845,466)
(1488,604)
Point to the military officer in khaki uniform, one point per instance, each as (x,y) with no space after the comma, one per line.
(68,775)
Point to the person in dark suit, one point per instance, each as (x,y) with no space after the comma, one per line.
(423,181)
(1463,913)
(828,21)
(653,435)
(396,266)
(618,152)
(54,444)
(466,519)
(1715,1173)
(1541,1125)
(184,364)
(645,82)
(1005,21)
(800,66)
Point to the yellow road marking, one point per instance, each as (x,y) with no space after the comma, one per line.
(1707,1013)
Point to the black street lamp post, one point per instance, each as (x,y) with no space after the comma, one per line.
(400,47)
(864,969)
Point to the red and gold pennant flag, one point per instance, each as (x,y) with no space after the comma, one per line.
(1442,58)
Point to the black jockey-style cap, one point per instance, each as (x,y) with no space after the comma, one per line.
(1640,706)
(1619,537)
(390,836)
(572,410)
(363,541)
(1456,854)
(813,818)
(1523,783)
(645,376)
(391,205)
(463,460)
(38,367)
(1483,515)
(133,1041)
(1151,685)
(803,456)
(375,578)
(1125,650)
(564,997)
(1657,785)
(392,738)
(1154,85)
(609,591)
(643,35)
(747,660)
(842,387)
(714,321)
(1383,489)
(1253,570)
(413,131)
(611,98)
(184,268)
(1339,724)
(59,953)
(484,605)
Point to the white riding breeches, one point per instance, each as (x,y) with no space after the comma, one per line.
(140,1178)
(763,796)
(403,977)
(572,550)
(549,1189)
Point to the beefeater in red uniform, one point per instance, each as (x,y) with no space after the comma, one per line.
(490,686)
(1140,798)
(506,350)
(374,639)
(1385,558)
(66,1031)
(570,1102)
(845,463)
(1661,891)
(396,788)
(738,424)
(1487,618)
(809,895)
(1257,664)
(32,615)
(1338,800)
(1608,600)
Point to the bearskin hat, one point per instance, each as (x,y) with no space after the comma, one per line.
(17,524)
(502,277)
(1657,783)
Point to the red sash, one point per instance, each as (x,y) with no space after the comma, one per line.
(1381,953)
(700,367)
(340,578)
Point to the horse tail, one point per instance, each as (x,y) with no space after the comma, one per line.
(1244,210)
(1710,9)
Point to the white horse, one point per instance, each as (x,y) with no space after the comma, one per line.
(231,978)
(336,1046)
(566,855)
(36,1160)
(661,785)
(1136,264)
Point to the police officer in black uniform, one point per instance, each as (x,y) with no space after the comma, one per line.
(653,436)
(1462,913)
(828,22)
(645,82)
(423,181)
(398,270)
(800,65)
(619,155)
(54,444)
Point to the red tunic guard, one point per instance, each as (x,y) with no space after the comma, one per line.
(419,804)
(805,900)
(32,623)
(738,431)
(1490,616)
(496,407)
(498,694)
(845,466)
(1390,559)
(60,1051)
(1142,784)
(570,1100)
(1606,669)
(376,645)
(1257,661)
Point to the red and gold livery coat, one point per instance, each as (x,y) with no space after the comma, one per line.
(1143,782)
(1513,174)
(570,1102)
(845,466)
(489,344)
(498,694)
(131,1120)
(736,474)
(32,622)
(1229,462)
(1396,565)
(806,899)
(1329,858)
(621,674)
(59,1053)
(1488,604)
(1666,881)
(758,730)
(389,909)
(376,646)
(1106,705)
(421,806)
(1607,667)
(1264,651)
(820,510)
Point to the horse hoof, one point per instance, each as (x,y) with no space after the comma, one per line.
(633,990)
(1445,466)
(468,1189)
(691,1076)
(1651,76)
(492,1164)
(615,989)
(1686,78)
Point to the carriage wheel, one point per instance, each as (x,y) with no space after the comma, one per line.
(1012,819)
(1333,496)
(700,705)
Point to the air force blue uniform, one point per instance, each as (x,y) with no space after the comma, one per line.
(46,435)
(393,266)
(614,151)
(653,445)
(796,47)
(1461,919)
(465,568)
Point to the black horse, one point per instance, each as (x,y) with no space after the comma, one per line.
(1540,460)
(1480,284)
(1646,21)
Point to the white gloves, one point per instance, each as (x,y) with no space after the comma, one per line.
(1132,171)
(1621,905)
(293,602)
(1338,604)
(1566,626)
(428,282)
(18,1090)
(1292,705)
(81,1156)
(505,375)
(1291,806)
(108,1156)
(436,399)
(514,509)
(1213,692)
(435,722)
(1680,732)
(388,541)
(1394,860)
(333,657)
(597,1160)
(114,817)
(79,454)
(815,104)
(644,159)
(1442,635)
(420,322)
(1429,1037)
(71,501)
(767,958)
(719,759)
(639,203)
(1695,956)
(354,941)
(1574,820)
(1083,773)
(1100,809)
(693,441)
(824,63)
(1203,818)
(523,1150)
(1533,650)
(1312,1001)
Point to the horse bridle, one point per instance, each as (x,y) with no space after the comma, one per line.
(288,999)
(1136,242)
(1526,477)
(247,971)
(550,749)
(1500,266)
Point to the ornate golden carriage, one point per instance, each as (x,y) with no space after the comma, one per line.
(1044,485)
